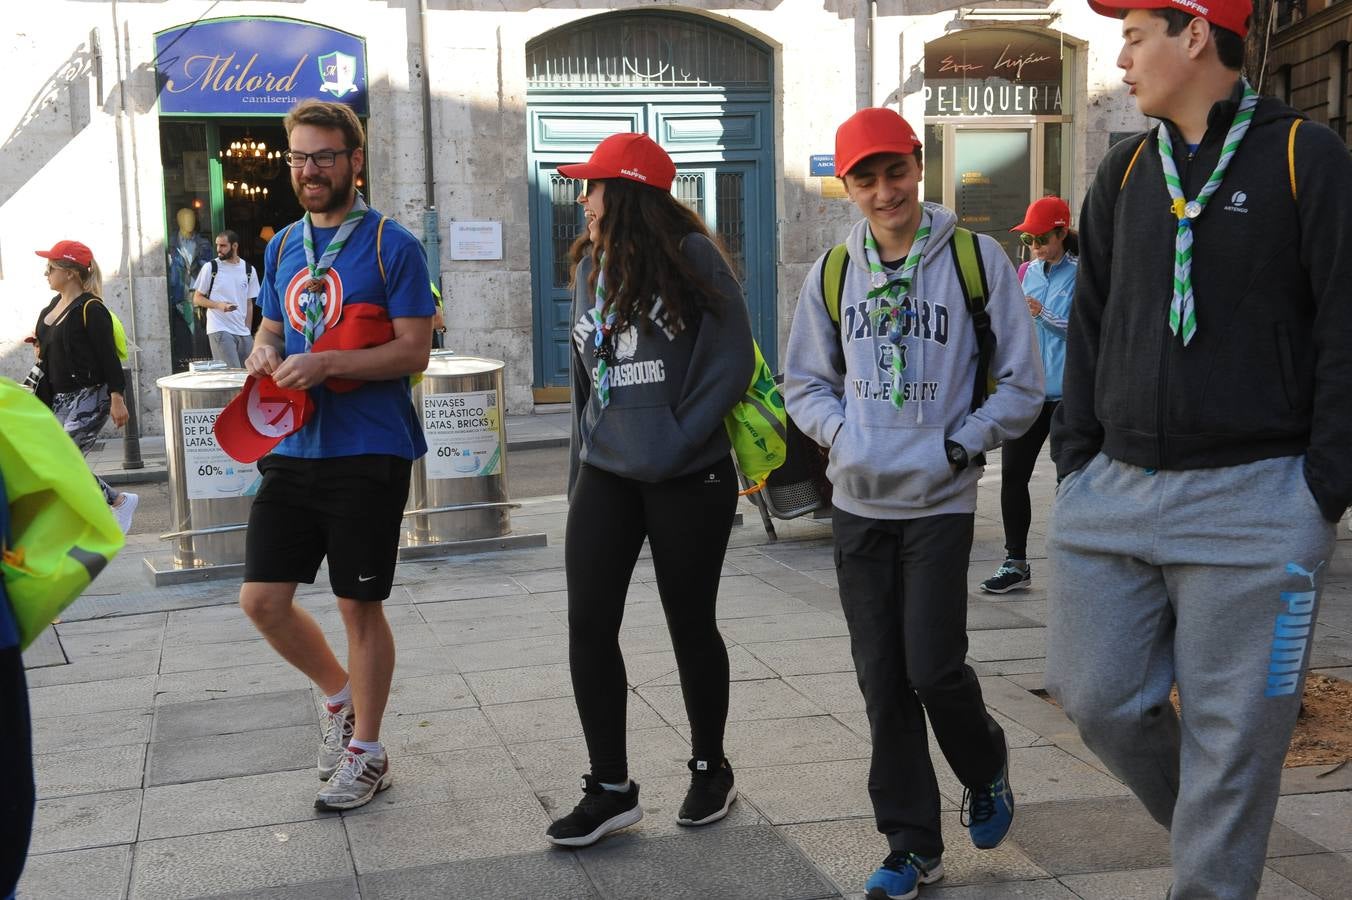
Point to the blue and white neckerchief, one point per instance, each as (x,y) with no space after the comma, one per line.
(602,349)
(890,290)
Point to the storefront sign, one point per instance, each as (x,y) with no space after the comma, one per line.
(257,66)
(993,72)
(209,472)
(821,164)
(464,439)
(476,240)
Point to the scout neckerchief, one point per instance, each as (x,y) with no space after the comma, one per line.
(602,348)
(314,288)
(1182,313)
(890,291)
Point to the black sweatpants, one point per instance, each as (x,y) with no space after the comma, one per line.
(903,586)
(16,788)
(1018,458)
(687,521)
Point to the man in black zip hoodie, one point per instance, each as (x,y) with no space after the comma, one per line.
(1202,445)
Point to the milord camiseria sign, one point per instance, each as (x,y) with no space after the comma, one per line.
(257,66)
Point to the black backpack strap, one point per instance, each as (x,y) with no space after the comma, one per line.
(212,283)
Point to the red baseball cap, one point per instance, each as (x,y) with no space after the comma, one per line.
(1232,15)
(72,251)
(362,325)
(870,131)
(259,417)
(626,155)
(1043,215)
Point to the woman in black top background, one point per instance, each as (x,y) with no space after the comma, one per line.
(75,345)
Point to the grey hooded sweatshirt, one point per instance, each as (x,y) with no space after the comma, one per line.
(887,463)
(672,383)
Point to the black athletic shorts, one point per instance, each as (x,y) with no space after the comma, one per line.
(347,508)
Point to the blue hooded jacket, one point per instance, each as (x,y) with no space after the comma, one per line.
(1054,290)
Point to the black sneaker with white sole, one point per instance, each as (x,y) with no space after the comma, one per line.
(711,792)
(598,814)
(1012,576)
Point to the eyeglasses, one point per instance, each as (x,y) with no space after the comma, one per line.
(322,158)
(1037,240)
(588,184)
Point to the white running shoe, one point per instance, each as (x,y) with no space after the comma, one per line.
(124,510)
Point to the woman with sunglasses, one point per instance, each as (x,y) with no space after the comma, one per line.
(1048,286)
(661,353)
(78,355)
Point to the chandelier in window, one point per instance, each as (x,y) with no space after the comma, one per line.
(245,191)
(248,160)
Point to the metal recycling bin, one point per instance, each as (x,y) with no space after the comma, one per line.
(209,493)
(458,491)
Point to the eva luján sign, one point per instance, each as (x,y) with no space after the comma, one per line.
(993,72)
(257,66)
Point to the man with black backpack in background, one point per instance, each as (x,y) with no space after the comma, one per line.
(227,289)
(1202,444)
(896,338)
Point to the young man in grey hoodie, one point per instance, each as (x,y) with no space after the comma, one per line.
(890,391)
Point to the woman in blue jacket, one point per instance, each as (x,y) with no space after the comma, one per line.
(1049,287)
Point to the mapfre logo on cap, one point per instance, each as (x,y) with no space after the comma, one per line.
(298,298)
(633,173)
(1200,8)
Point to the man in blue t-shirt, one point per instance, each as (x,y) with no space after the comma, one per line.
(337,487)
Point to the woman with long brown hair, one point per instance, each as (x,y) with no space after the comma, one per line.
(78,355)
(662,351)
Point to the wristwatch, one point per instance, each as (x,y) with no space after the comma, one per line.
(957,455)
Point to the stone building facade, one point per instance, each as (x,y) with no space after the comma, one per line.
(1016,99)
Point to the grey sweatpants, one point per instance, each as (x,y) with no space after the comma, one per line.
(1208,578)
(231,349)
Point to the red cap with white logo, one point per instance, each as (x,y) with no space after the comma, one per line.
(633,156)
(71,251)
(1232,15)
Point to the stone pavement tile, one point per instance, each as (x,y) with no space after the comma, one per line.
(116,728)
(659,667)
(499,628)
(469,588)
(86,820)
(1038,889)
(97,696)
(227,804)
(445,777)
(543,720)
(1283,841)
(521,605)
(433,732)
(767,601)
(1316,779)
(113,623)
(445,832)
(1007,643)
(850,849)
(557,765)
(536,651)
(85,644)
(229,755)
(1122,836)
(428,693)
(801,555)
(636,639)
(661,799)
(776,742)
(100,873)
(515,685)
(89,771)
(857,722)
(96,668)
(1015,734)
(553,874)
(1325,875)
(240,861)
(542,582)
(783,627)
(742,666)
(45,651)
(411,662)
(228,715)
(335,889)
(1332,647)
(244,680)
(1043,774)
(1323,818)
(747,700)
(832,691)
(226,654)
(1151,884)
(985,615)
(808,792)
(750,863)
(807,657)
(1020,604)
(1003,667)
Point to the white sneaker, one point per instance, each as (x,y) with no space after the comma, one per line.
(336,731)
(357,780)
(124,511)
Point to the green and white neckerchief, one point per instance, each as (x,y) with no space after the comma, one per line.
(1182,310)
(314,288)
(602,349)
(889,290)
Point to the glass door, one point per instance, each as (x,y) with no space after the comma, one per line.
(992,181)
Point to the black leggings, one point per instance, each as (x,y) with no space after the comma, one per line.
(687,521)
(16,788)
(1017,461)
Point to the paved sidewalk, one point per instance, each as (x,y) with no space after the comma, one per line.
(176,752)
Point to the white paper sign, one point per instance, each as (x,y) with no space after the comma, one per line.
(476,240)
(211,474)
(463,436)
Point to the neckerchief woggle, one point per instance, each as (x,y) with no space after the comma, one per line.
(1182,308)
(605,323)
(888,316)
(314,288)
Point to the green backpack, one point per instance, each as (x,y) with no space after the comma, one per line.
(61,531)
(758,426)
(119,333)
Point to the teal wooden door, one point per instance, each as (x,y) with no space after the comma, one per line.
(723,160)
